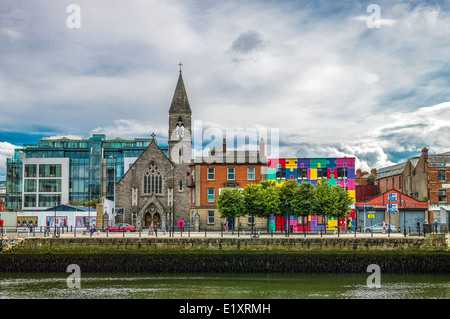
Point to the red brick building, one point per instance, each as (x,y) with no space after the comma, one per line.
(389,178)
(222,169)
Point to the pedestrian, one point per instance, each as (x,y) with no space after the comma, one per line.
(436,224)
(384,227)
(418,225)
(226,226)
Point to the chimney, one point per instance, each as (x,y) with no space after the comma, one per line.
(358,173)
(224,146)
(374,172)
(424,158)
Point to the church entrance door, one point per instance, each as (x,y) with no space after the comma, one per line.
(156,220)
(148,220)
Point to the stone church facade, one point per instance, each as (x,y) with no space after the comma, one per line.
(154,192)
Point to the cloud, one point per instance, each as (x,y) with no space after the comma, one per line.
(6,151)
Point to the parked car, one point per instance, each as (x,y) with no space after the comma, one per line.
(121,227)
(378,228)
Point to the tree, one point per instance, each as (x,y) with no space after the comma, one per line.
(341,203)
(323,199)
(371,179)
(231,203)
(304,202)
(286,194)
(253,201)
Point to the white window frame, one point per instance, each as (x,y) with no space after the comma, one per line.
(213,173)
(210,214)
(213,194)
(248,173)
(228,174)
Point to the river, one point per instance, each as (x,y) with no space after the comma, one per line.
(222,286)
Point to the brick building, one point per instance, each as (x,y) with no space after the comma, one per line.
(427,178)
(390,177)
(219,170)
(364,190)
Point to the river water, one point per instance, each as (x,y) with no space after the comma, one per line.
(223,286)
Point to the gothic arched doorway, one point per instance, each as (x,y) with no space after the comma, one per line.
(152,216)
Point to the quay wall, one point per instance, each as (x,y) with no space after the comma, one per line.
(155,255)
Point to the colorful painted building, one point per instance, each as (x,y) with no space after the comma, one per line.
(336,171)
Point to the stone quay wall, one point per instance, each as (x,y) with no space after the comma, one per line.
(155,255)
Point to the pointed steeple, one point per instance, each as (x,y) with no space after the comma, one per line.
(180,101)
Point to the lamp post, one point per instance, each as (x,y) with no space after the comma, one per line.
(54,222)
(286,223)
(404,218)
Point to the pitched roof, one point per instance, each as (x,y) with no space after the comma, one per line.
(180,101)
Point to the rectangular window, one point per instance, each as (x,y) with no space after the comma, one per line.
(29,201)
(441,175)
(50,170)
(302,173)
(49,200)
(211,173)
(251,173)
(281,173)
(210,217)
(211,195)
(442,195)
(30,170)
(49,185)
(342,172)
(230,175)
(321,173)
(251,220)
(29,185)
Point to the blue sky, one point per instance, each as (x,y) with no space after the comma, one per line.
(315,70)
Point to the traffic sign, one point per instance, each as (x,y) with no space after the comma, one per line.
(370,215)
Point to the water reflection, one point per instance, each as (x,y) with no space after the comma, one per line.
(224,286)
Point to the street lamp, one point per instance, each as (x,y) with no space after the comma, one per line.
(404,218)
(286,203)
(54,222)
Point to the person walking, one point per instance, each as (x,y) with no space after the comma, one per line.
(436,224)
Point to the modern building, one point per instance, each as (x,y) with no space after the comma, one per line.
(221,169)
(64,171)
(336,171)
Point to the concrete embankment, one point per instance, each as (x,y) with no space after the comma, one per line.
(145,255)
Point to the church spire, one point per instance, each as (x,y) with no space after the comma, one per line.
(180,101)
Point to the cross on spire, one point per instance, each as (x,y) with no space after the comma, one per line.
(180,65)
(153,135)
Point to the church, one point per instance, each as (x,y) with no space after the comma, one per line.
(154,192)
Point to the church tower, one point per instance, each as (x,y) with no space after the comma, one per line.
(180,116)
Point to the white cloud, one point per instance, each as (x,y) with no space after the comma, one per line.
(6,151)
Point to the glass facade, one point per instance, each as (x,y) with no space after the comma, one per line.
(86,158)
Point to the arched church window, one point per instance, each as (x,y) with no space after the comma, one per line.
(153,180)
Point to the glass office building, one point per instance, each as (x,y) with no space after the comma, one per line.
(65,170)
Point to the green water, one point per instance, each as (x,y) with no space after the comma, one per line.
(224,286)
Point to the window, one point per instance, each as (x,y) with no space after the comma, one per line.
(230,175)
(152,180)
(321,173)
(49,200)
(281,173)
(193,196)
(181,186)
(50,170)
(251,173)
(442,195)
(29,201)
(29,185)
(342,172)
(30,170)
(251,219)
(210,217)
(302,173)
(49,185)
(441,175)
(211,195)
(211,173)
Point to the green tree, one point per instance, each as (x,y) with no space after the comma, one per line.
(323,200)
(286,199)
(231,203)
(341,200)
(371,179)
(304,202)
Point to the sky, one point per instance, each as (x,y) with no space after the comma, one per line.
(368,79)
